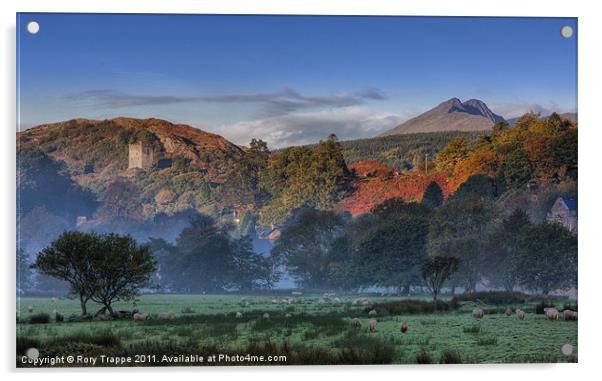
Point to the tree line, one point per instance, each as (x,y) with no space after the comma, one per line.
(391,246)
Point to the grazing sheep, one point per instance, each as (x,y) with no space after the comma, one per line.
(337,300)
(365,303)
(372,326)
(356,323)
(508,311)
(140,317)
(287,315)
(551,313)
(165,316)
(274,301)
(478,313)
(520,314)
(321,301)
(266,315)
(239,315)
(354,302)
(569,315)
(372,313)
(403,327)
(29,309)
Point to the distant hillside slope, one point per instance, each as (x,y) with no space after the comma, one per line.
(570,116)
(451,115)
(402,151)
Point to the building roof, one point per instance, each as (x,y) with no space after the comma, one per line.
(571,204)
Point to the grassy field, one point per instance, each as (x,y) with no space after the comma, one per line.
(307,331)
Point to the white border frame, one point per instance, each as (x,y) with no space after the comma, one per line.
(590,138)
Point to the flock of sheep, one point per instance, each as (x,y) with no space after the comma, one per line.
(551,314)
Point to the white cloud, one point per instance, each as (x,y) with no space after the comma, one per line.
(518,108)
(351,122)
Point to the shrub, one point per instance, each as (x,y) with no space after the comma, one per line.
(450,357)
(424,358)
(539,308)
(472,329)
(59,318)
(494,297)
(103,338)
(41,318)
(570,306)
(409,306)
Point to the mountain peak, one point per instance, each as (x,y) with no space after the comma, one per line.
(451,115)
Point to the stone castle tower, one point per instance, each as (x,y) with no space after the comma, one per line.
(141,155)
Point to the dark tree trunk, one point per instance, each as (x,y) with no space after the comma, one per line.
(406,290)
(82,303)
(109,308)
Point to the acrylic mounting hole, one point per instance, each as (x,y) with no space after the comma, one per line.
(566,31)
(33,27)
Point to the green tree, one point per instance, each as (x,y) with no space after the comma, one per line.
(436,271)
(517,168)
(546,257)
(502,248)
(433,195)
(305,247)
(70,258)
(24,275)
(120,267)
(460,229)
(476,186)
(392,254)
(207,258)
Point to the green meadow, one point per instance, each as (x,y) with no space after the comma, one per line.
(307,331)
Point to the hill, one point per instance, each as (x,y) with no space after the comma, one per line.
(402,152)
(451,115)
(75,173)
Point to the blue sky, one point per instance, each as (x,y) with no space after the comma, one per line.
(288,79)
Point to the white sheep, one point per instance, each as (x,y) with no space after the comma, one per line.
(274,301)
(520,314)
(356,323)
(478,313)
(372,326)
(551,313)
(239,315)
(403,328)
(139,317)
(372,313)
(29,309)
(165,316)
(266,315)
